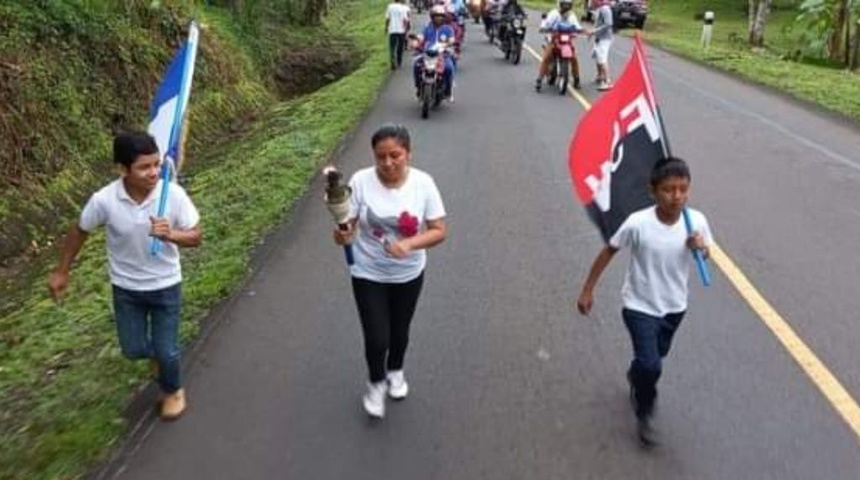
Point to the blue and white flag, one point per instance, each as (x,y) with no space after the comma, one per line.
(171,100)
(168,113)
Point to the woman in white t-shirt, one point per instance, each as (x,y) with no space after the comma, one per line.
(396,213)
(655,287)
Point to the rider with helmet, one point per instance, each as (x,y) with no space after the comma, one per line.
(437,31)
(510,10)
(562,15)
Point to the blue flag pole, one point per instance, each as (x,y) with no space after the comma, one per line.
(701,266)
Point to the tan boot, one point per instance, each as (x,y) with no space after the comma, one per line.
(172,405)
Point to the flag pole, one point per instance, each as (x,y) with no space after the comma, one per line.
(176,130)
(701,266)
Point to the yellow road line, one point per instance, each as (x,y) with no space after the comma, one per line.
(818,373)
(814,368)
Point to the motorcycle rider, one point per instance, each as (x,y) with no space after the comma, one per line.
(437,31)
(509,11)
(491,6)
(562,14)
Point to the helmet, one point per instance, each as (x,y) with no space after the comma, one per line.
(437,10)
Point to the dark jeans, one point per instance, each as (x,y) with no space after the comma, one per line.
(652,338)
(396,45)
(148,327)
(386,311)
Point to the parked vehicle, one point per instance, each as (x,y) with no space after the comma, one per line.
(625,13)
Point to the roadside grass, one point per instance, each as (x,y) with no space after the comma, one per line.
(64,382)
(785,63)
(673,26)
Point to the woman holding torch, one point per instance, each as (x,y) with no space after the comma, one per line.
(396,213)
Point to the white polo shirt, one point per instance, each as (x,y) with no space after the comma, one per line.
(132,266)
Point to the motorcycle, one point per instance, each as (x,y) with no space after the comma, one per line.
(515,36)
(563,55)
(458,24)
(431,90)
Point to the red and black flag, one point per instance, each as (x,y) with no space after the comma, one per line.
(615,147)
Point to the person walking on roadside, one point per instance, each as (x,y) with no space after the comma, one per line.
(396,214)
(147,296)
(655,287)
(603,37)
(397,23)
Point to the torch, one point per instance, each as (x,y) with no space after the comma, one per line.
(337,200)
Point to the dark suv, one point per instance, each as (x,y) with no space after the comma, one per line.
(624,12)
(629,12)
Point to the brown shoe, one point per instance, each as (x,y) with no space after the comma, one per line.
(172,405)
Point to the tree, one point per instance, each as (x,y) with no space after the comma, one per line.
(758,12)
(828,26)
(314,11)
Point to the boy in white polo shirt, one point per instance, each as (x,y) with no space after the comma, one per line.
(655,287)
(146,288)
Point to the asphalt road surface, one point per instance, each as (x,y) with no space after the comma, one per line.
(507,380)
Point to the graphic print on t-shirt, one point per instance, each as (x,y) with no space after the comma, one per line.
(386,229)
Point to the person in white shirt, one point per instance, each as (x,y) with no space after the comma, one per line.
(147,295)
(602,35)
(397,24)
(396,214)
(655,287)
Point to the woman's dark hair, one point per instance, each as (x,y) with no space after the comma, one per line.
(669,167)
(127,146)
(395,131)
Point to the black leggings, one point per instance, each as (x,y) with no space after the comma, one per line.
(386,311)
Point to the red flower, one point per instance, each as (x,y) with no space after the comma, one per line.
(407,225)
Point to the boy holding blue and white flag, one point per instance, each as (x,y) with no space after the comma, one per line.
(148,218)
(147,295)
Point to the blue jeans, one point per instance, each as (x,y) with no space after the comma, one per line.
(652,338)
(447,75)
(147,324)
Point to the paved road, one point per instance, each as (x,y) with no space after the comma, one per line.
(507,381)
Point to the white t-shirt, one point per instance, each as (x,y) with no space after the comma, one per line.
(660,262)
(388,215)
(132,266)
(397,16)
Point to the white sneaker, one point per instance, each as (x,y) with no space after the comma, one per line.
(374,399)
(397,386)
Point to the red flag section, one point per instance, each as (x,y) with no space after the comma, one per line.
(615,146)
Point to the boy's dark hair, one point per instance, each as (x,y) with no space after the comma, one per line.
(127,146)
(669,167)
(395,131)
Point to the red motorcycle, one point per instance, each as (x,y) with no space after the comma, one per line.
(563,58)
